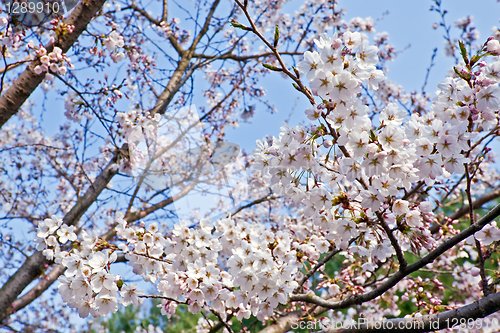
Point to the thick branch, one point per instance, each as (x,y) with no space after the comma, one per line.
(26,83)
(164,15)
(465,209)
(428,323)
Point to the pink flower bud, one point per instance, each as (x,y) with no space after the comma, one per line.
(493,46)
(336,43)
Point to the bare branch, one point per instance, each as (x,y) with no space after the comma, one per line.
(151,19)
(230,55)
(268,197)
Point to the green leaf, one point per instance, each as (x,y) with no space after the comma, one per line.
(272,68)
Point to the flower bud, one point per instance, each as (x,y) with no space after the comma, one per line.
(474,271)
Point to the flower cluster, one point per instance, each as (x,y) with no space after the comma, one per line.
(87,283)
(54,61)
(60,27)
(246,268)
(494,46)
(243,267)
(134,125)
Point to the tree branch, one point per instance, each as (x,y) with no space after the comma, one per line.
(285,70)
(268,197)
(316,267)
(37,290)
(465,209)
(34,265)
(173,84)
(164,15)
(232,56)
(435,322)
(403,272)
(394,242)
(171,38)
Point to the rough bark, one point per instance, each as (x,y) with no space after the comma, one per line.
(28,81)
(36,291)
